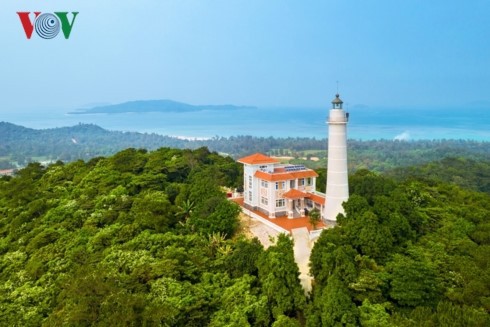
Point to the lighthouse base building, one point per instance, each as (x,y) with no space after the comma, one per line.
(279,190)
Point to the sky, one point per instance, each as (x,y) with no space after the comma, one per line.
(254,52)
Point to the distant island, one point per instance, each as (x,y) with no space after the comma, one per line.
(154,106)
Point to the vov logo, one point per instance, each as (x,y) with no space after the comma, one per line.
(47,25)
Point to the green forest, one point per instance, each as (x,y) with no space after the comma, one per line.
(148,238)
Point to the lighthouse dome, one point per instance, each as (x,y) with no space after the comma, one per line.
(337,102)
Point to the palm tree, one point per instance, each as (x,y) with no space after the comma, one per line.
(185,210)
(314,217)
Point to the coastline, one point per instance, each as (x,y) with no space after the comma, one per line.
(365,124)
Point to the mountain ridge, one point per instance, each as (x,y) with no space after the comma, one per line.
(165,105)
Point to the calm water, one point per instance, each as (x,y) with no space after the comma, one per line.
(365,123)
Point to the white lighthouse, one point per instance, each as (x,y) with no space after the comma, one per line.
(337,178)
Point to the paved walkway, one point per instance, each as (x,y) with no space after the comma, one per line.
(299,228)
(302,252)
(266,234)
(263,232)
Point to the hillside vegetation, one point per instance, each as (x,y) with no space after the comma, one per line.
(137,239)
(149,239)
(20,145)
(410,253)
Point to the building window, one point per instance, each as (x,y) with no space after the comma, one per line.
(280,203)
(280,185)
(250,196)
(249,181)
(264,184)
(301,182)
(264,200)
(292,183)
(308,181)
(263,168)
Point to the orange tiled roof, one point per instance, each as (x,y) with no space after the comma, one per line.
(316,198)
(297,194)
(273,177)
(294,194)
(257,158)
(284,176)
(304,173)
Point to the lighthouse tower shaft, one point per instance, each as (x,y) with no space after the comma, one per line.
(337,174)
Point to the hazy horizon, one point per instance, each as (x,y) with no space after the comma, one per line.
(366,123)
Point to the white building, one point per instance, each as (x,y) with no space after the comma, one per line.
(337,174)
(279,189)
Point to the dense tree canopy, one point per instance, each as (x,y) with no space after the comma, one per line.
(407,253)
(139,238)
(149,238)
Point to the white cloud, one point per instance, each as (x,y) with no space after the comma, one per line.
(405,136)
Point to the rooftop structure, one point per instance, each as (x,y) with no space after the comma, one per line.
(279,190)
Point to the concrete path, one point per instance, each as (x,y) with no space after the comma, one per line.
(255,228)
(263,232)
(302,245)
(302,252)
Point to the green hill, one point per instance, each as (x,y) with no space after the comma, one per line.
(149,239)
(20,145)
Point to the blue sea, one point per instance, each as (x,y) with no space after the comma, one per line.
(366,123)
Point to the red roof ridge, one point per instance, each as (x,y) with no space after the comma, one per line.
(316,198)
(294,194)
(257,158)
(297,194)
